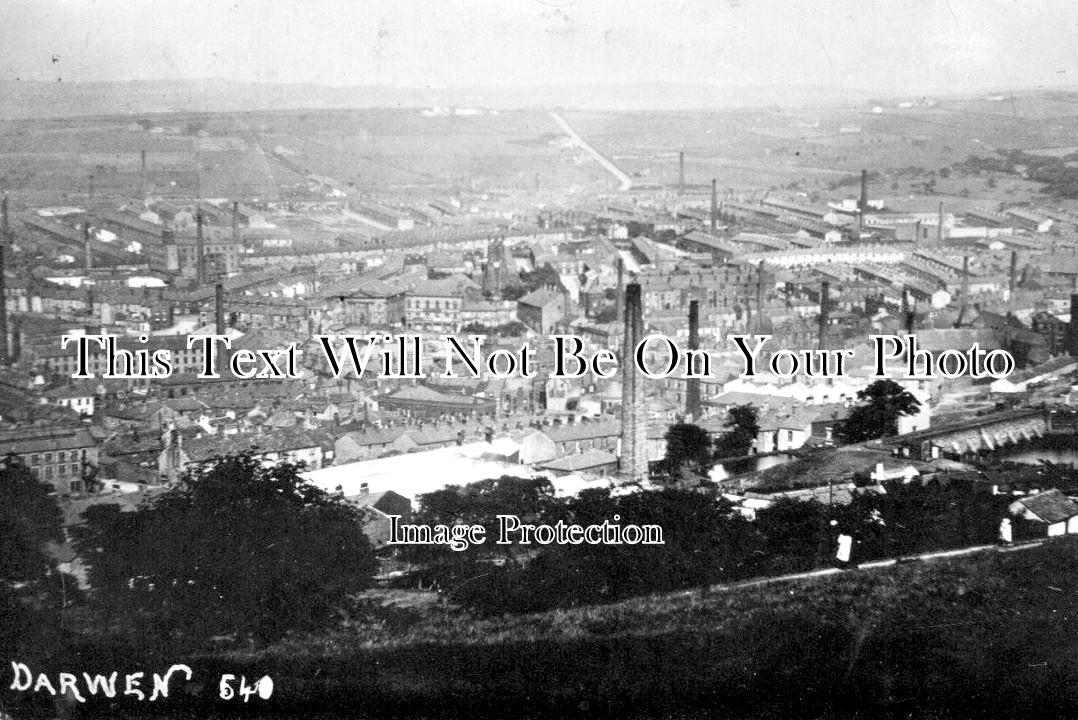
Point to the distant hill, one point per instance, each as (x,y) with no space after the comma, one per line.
(60,99)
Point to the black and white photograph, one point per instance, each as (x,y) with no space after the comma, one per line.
(538,359)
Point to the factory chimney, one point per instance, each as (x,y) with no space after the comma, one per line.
(633,461)
(681,173)
(16,339)
(87,254)
(219,308)
(142,174)
(619,297)
(235,222)
(714,204)
(200,270)
(759,297)
(1072,327)
(5,240)
(692,385)
(908,316)
(825,302)
(939,225)
(1013,278)
(965,280)
(863,204)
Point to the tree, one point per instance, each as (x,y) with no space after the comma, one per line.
(234,548)
(703,542)
(687,444)
(31,586)
(30,520)
(744,425)
(884,401)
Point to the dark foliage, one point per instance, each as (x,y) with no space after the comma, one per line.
(744,426)
(703,542)
(31,587)
(1059,176)
(687,444)
(533,280)
(236,548)
(882,403)
(510,329)
(29,520)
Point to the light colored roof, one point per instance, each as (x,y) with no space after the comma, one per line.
(1051,506)
(417,473)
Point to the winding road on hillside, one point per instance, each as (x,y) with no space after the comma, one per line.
(624,181)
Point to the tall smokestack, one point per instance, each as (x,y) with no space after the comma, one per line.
(939,225)
(5,239)
(692,385)
(142,174)
(714,204)
(759,297)
(219,307)
(965,280)
(681,173)
(1072,327)
(619,297)
(87,255)
(200,271)
(235,222)
(863,205)
(825,302)
(633,462)
(1012,282)
(907,311)
(16,338)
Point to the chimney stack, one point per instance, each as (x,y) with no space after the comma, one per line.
(200,270)
(681,173)
(219,308)
(5,240)
(619,297)
(16,338)
(908,317)
(633,462)
(965,280)
(1013,279)
(235,222)
(88,256)
(939,226)
(863,204)
(759,296)
(825,302)
(692,385)
(142,174)
(714,204)
(1072,328)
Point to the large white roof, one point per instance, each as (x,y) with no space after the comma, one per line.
(414,474)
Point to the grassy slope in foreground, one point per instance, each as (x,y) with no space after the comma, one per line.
(987,635)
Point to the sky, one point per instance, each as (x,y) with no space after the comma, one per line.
(884,46)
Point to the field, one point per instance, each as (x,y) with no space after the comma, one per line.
(391,153)
(518,155)
(769,148)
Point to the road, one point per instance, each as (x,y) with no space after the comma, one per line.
(880,563)
(624,181)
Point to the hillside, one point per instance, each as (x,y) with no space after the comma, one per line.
(988,635)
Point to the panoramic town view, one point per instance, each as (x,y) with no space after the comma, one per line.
(475,361)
